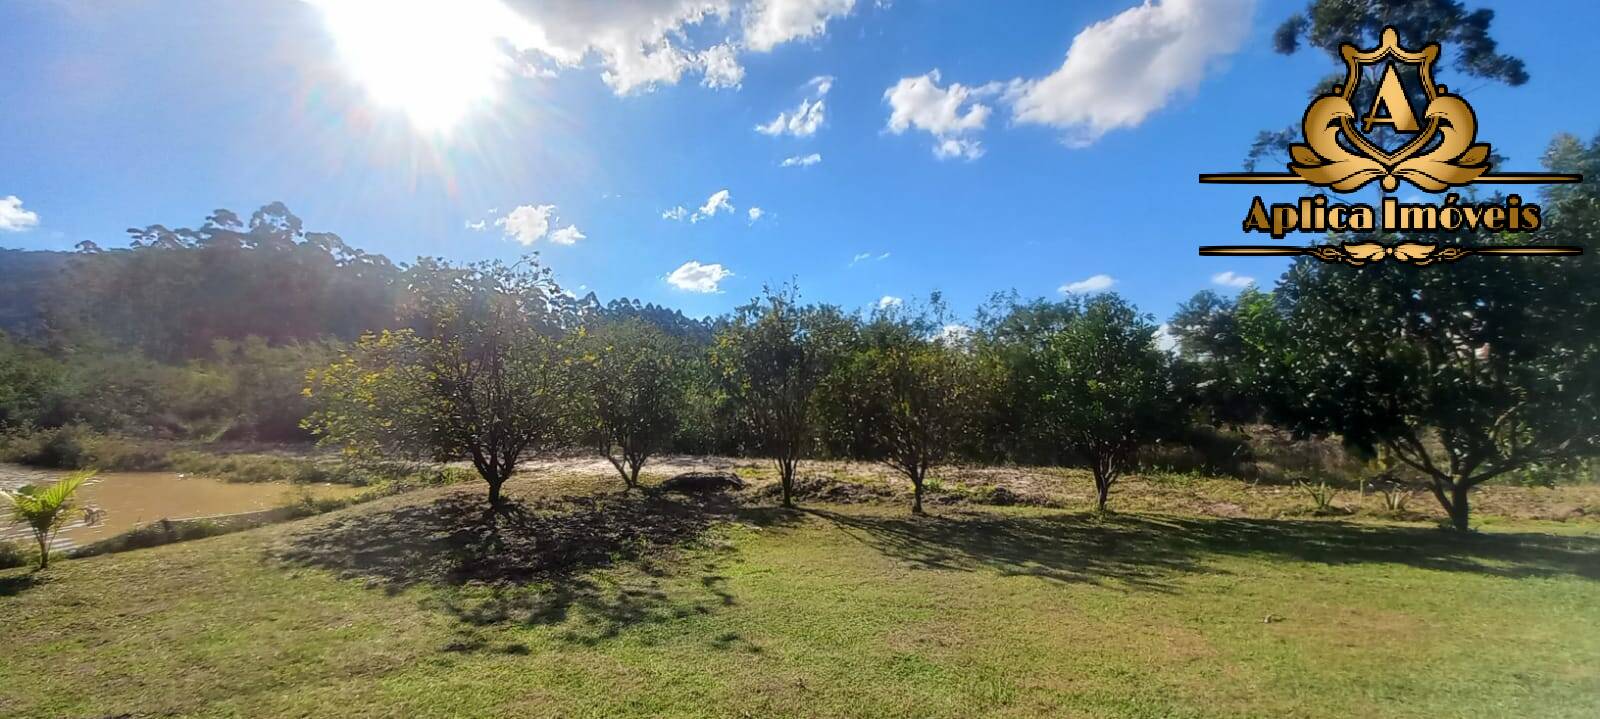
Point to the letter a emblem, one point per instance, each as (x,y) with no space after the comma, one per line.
(1391,98)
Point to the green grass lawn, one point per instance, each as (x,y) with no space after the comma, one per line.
(835,611)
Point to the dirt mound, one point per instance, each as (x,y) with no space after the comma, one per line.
(458,539)
(824,489)
(702,482)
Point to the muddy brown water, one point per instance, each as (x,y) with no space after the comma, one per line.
(130,499)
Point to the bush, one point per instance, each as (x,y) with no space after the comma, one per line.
(78,447)
(15,555)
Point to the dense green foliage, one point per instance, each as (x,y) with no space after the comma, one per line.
(487,374)
(632,377)
(905,395)
(770,358)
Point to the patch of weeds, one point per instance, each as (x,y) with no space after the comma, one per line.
(78,447)
(1322,495)
(14,555)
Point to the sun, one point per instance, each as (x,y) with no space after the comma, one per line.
(435,60)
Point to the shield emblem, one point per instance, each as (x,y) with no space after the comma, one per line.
(1390,90)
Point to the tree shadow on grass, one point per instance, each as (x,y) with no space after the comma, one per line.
(532,563)
(1148,552)
(457,540)
(15,584)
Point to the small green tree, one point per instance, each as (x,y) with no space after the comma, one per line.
(905,396)
(633,381)
(45,509)
(484,373)
(770,358)
(1100,388)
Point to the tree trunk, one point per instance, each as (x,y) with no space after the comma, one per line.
(1102,491)
(633,475)
(1458,505)
(44,549)
(1455,503)
(916,494)
(494,492)
(786,478)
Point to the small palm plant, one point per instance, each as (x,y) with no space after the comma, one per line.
(45,509)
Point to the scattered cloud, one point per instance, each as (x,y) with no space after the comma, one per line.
(807,117)
(692,276)
(1119,70)
(676,214)
(951,114)
(888,301)
(865,256)
(527,223)
(803,121)
(722,68)
(15,219)
(477,226)
(801,160)
(769,23)
(1230,279)
(718,202)
(567,235)
(755,214)
(1097,283)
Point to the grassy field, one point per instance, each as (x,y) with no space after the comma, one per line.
(836,610)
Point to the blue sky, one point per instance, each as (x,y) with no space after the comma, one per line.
(962,148)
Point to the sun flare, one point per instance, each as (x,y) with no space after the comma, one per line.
(435,60)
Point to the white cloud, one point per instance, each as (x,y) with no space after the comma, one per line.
(807,117)
(1097,283)
(803,121)
(1164,339)
(722,68)
(769,23)
(718,202)
(567,235)
(527,223)
(801,160)
(637,45)
(692,276)
(950,114)
(13,218)
(954,147)
(888,301)
(864,256)
(477,226)
(1120,70)
(755,214)
(1229,279)
(676,214)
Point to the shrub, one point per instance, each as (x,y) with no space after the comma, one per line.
(1321,493)
(78,447)
(15,555)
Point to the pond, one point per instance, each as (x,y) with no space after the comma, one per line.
(130,499)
